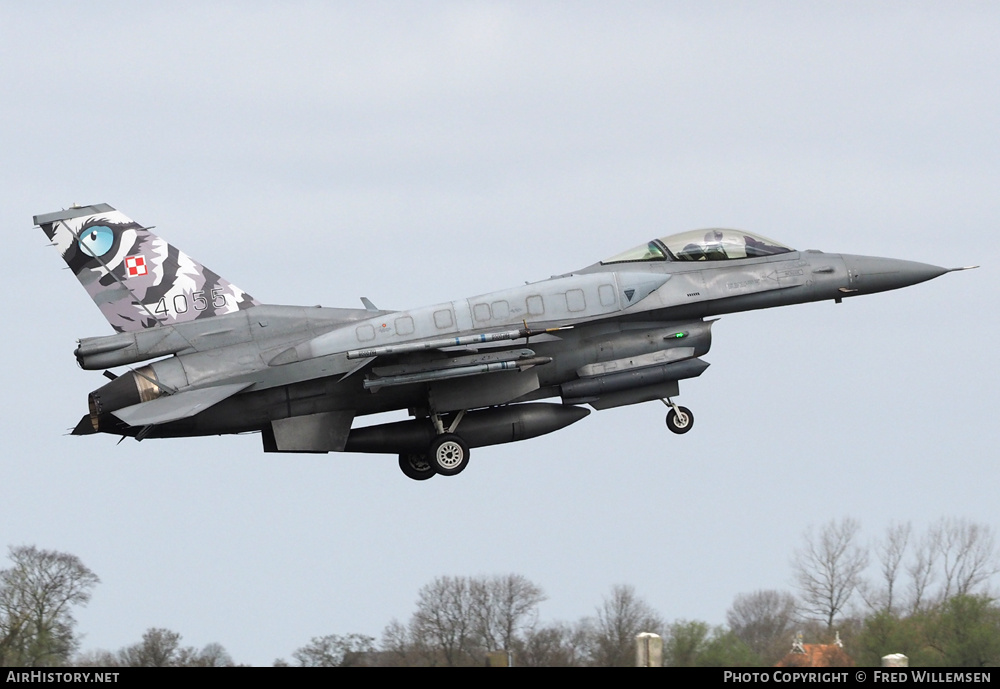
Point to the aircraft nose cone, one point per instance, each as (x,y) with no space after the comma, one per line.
(873,274)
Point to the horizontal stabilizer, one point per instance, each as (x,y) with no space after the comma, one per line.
(179,406)
(85,427)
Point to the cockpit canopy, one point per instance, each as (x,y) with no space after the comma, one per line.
(703,245)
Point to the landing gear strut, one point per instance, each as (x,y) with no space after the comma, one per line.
(679,419)
(447,455)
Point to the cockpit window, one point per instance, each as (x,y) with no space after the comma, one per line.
(647,252)
(703,245)
(720,245)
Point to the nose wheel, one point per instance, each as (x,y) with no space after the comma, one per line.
(679,419)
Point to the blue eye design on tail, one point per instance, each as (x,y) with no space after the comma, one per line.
(97,240)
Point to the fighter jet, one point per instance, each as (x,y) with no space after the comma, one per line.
(470,372)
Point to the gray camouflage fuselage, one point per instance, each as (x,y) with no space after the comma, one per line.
(614,333)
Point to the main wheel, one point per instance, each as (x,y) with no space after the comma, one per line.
(416,467)
(448,454)
(681,422)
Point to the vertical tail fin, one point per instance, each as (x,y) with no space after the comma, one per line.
(135,278)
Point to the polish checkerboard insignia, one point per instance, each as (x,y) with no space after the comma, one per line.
(135,265)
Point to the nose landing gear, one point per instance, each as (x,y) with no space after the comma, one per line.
(679,419)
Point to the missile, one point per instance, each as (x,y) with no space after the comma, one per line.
(455,372)
(442,342)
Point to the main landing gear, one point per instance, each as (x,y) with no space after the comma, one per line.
(447,455)
(679,419)
(416,467)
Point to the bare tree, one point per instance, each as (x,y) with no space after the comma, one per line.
(968,556)
(958,555)
(553,645)
(162,648)
(444,622)
(212,655)
(159,648)
(765,622)
(397,645)
(37,596)
(828,569)
(505,607)
(96,658)
(335,650)
(883,596)
(921,570)
(459,619)
(622,615)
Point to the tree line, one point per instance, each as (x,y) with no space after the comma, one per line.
(925,595)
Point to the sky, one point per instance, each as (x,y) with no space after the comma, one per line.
(413,153)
